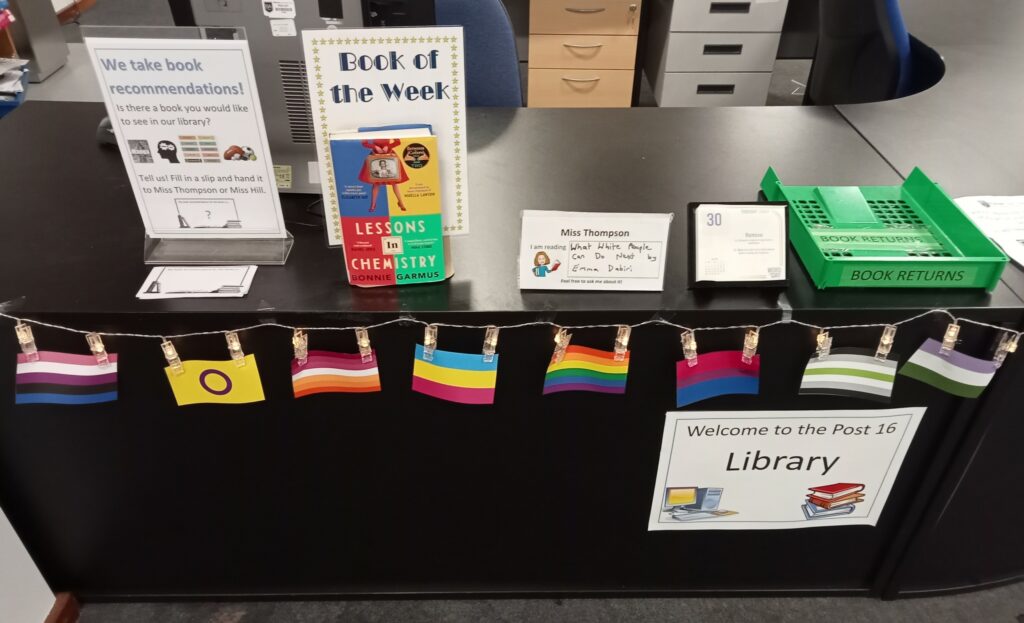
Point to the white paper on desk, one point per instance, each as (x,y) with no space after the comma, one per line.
(740,243)
(195,282)
(1001,219)
(593,251)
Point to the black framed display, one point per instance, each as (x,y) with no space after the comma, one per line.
(738,244)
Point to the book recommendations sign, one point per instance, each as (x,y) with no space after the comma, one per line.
(776,470)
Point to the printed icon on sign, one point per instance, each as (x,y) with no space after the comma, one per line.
(693,503)
(239,153)
(168,151)
(140,152)
(542,264)
(196,148)
(392,245)
(834,500)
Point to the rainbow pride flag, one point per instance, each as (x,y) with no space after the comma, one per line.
(717,374)
(64,379)
(587,370)
(328,372)
(455,377)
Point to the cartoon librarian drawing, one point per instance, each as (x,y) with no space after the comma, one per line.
(383,167)
(541,263)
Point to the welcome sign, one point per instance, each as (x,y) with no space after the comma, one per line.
(363,78)
(772,470)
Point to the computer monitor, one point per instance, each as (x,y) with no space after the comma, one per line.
(676,497)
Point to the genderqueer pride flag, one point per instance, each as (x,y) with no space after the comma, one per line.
(955,373)
(717,374)
(455,377)
(64,378)
(850,372)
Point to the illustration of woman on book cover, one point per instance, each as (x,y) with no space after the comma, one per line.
(383,167)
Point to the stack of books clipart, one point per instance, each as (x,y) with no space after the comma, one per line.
(833,500)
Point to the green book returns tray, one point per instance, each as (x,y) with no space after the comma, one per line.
(909,236)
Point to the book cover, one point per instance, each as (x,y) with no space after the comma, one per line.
(389,198)
(815,512)
(839,489)
(827,504)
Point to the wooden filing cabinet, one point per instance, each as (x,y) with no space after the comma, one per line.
(582,53)
(713,52)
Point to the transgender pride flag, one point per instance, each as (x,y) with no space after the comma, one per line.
(717,374)
(64,379)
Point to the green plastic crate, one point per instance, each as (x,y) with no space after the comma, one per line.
(909,236)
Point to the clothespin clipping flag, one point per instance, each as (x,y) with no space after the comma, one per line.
(952,372)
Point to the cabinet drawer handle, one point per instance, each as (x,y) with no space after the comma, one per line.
(712,49)
(580,79)
(730,7)
(578,46)
(575,10)
(716,89)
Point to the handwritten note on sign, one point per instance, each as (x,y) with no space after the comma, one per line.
(588,251)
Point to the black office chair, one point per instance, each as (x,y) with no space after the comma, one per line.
(863,54)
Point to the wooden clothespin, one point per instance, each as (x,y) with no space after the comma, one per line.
(300,344)
(562,339)
(26,341)
(363,341)
(750,345)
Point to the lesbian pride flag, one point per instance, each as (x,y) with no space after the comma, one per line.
(955,373)
(717,374)
(65,379)
(455,377)
(587,370)
(328,372)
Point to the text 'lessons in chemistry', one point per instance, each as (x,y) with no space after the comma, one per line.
(188,122)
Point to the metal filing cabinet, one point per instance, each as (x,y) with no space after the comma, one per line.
(712,53)
(582,53)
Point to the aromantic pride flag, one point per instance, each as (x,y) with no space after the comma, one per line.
(954,373)
(850,372)
(216,382)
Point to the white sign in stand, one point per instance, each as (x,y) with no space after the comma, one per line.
(593,251)
(362,78)
(24,594)
(776,470)
(187,119)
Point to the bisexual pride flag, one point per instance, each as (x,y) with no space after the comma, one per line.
(327,372)
(717,374)
(65,379)
(955,373)
(587,370)
(455,377)
(850,372)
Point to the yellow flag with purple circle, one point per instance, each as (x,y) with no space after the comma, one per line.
(216,382)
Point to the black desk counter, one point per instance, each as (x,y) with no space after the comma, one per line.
(398,492)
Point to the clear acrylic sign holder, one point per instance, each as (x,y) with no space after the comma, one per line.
(195,251)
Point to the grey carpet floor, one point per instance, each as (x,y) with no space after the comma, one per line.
(998,605)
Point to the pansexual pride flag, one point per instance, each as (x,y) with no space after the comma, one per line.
(587,370)
(327,372)
(717,374)
(955,373)
(455,377)
(65,379)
